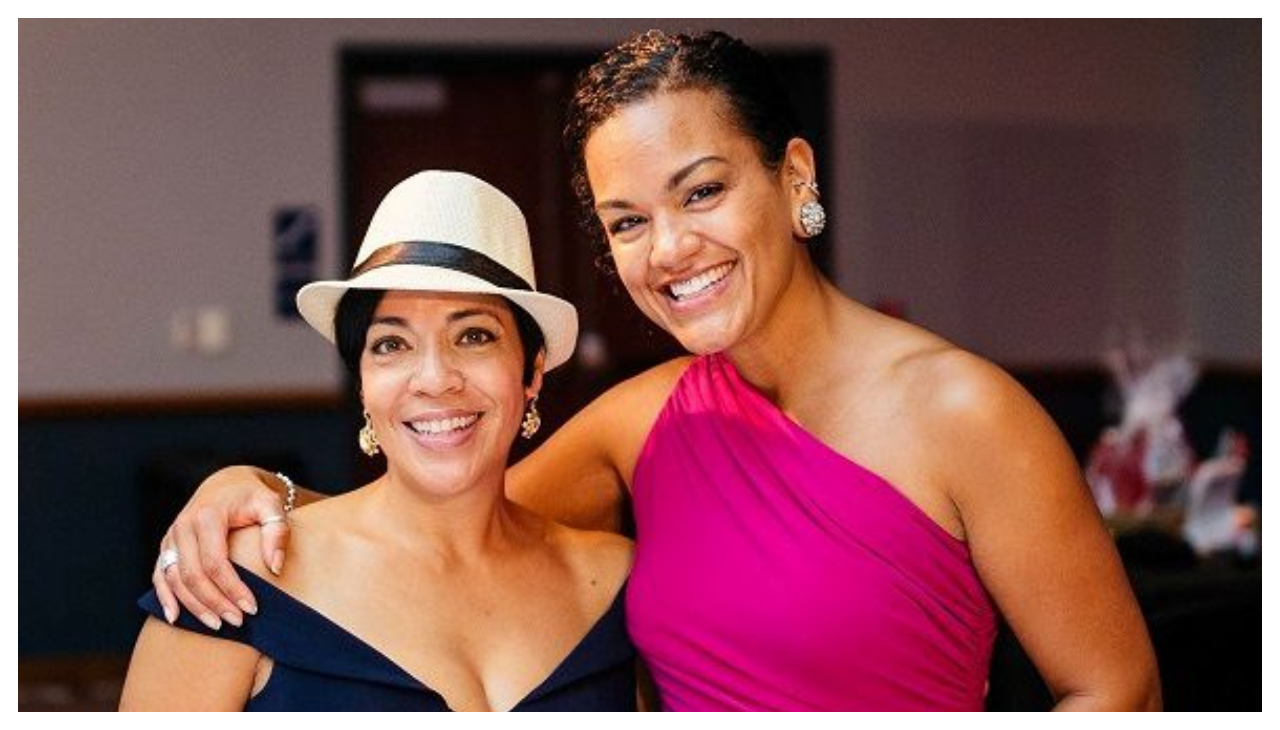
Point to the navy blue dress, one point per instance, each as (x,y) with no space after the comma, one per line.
(321,666)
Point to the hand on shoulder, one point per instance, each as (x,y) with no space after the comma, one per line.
(244,545)
(244,549)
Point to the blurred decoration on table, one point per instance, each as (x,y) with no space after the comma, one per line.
(1143,472)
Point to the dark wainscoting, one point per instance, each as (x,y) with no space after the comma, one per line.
(98,482)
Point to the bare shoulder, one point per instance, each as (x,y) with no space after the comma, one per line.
(599,559)
(981,424)
(923,381)
(956,388)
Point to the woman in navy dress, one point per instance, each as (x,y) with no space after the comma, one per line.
(427,589)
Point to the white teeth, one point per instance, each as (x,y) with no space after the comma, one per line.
(691,286)
(444,424)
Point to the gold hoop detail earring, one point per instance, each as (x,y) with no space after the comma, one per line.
(532,419)
(368,438)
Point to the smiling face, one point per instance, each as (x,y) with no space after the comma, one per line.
(441,380)
(700,229)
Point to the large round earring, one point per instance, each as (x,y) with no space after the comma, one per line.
(368,439)
(813,218)
(532,419)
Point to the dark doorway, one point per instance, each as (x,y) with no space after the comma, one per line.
(498,115)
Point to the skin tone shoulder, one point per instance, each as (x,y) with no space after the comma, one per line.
(706,239)
(451,574)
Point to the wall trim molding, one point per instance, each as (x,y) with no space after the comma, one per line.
(127,404)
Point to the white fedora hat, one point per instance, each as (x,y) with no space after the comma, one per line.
(442,231)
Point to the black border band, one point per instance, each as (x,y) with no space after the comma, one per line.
(445,256)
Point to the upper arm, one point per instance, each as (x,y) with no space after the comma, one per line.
(175,669)
(582,474)
(1038,542)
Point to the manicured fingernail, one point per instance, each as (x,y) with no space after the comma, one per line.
(170,614)
(232,619)
(247,606)
(211,621)
(277,562)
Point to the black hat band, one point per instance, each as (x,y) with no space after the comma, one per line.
(445,256)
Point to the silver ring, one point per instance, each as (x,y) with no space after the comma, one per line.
(271,520)
(168,559)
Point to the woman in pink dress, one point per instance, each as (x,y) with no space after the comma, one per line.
(832,506)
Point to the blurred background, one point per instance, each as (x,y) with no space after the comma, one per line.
(1042,192)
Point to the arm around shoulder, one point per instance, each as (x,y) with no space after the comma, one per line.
(1037,540)
(581,476)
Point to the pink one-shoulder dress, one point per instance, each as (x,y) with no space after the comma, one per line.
(773,573)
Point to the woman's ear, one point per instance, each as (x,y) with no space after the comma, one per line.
(533,388)
(798,162)
(801,179)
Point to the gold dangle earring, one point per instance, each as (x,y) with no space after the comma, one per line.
(368,439)
(813,218)
(532,419)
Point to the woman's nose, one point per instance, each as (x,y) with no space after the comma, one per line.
(673,245)
(436,373)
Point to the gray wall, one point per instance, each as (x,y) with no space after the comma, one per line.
(1025,187)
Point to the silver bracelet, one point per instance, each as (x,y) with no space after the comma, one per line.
(290,492)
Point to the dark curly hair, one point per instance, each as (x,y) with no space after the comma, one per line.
(650,62)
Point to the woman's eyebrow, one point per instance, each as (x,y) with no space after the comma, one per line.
(688,170)
(672,183)
(475,312)
(390,321)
